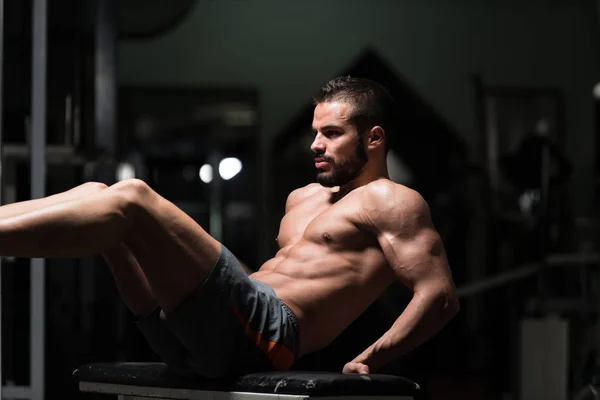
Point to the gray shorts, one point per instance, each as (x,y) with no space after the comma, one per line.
(232,324)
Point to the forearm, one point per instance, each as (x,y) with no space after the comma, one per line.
(424,316)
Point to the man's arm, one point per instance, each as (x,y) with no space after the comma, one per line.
(400,219)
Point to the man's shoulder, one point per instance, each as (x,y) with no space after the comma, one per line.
(305,191)
(389,192)
(384,199)
(301,193)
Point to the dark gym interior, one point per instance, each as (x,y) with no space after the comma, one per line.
(498,104)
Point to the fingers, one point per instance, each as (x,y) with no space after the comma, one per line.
(355,368)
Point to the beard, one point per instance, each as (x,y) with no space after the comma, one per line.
(344,170)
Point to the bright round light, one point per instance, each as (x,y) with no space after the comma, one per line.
(229,167)
(125,171)
(596,91)
(206,173)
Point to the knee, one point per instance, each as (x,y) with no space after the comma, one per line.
(133,186)
(94,186)
(132,192)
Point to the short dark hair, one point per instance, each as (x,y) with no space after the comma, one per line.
(373,104)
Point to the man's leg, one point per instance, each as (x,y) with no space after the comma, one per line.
(173,251)
(23,207)
(129,278)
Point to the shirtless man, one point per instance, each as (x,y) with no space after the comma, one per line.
(342,242)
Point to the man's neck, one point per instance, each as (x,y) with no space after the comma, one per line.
(363,179)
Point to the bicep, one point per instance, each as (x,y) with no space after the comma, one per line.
(412,246)
(418,258)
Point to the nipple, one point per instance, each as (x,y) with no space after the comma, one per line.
(327,237)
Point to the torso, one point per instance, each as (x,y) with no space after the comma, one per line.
(329,268)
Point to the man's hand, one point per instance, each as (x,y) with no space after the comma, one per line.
(355,368)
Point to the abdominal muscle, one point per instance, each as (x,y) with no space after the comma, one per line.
(325,290)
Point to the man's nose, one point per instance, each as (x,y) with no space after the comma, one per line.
(317,145)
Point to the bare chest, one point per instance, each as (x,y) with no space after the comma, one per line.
(337,225)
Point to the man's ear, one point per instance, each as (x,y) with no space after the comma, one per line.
(376,137)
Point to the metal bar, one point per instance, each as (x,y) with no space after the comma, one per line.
(215,197)
(38,186)
(1,165)
(497,280)
(558,259)
(552,260)
(263,195)
(105,77)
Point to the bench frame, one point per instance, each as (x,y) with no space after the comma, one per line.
(133,392)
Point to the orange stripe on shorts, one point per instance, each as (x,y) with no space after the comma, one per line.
(281,357)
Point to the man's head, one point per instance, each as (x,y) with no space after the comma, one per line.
(351,120)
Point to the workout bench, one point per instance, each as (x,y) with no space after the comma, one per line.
(149,380)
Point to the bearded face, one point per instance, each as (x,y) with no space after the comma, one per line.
(339,170)
(338,149)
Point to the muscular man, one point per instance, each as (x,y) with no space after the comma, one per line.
(342,242)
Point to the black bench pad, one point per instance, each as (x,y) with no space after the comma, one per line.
(152,374)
